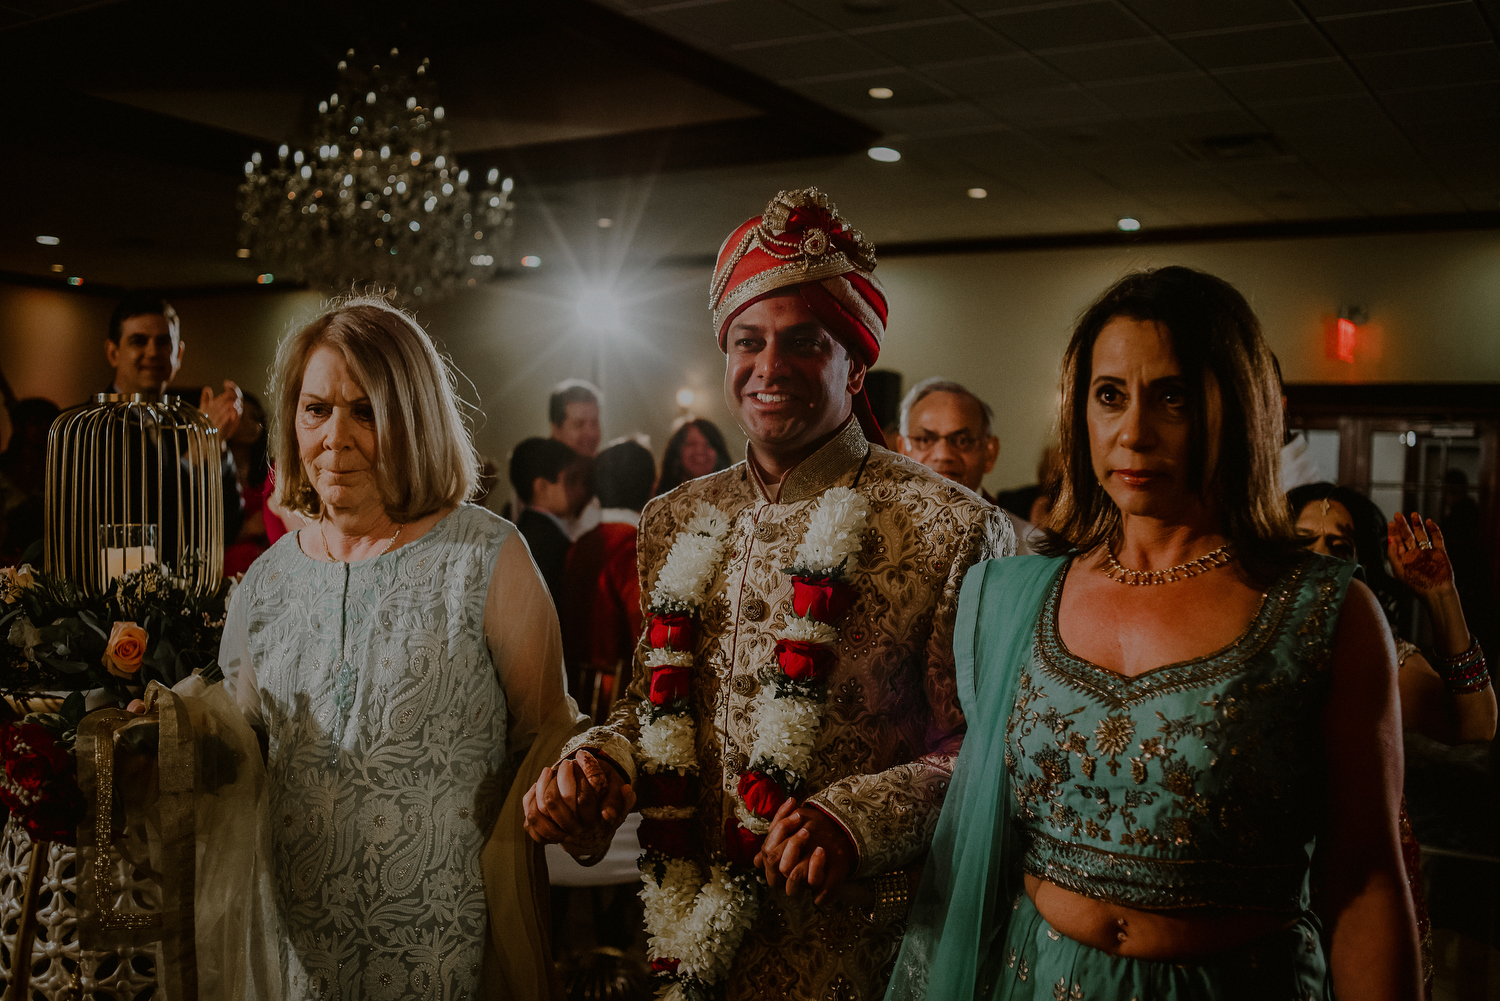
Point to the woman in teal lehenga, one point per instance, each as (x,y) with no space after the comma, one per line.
(1119,830)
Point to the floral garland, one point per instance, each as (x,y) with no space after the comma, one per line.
(695,925)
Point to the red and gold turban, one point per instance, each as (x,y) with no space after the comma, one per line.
(801,241)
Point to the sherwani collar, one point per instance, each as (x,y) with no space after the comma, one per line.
(840,456)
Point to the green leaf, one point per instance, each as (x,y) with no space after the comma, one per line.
(74,709)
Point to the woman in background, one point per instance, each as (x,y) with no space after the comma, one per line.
(695,449)
(251,463)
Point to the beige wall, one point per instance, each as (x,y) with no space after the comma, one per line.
(995,321)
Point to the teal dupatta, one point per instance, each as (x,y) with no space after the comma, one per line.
(972,872)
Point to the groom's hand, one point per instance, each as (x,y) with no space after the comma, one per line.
(578,804)
(808,849)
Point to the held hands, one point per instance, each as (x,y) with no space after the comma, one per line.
(578,805)
(223,410)
(806,848)
(1419,559)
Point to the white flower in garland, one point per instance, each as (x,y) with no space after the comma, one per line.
(786,727)
(669,743)
(689,567)
(809,631)
(833,533)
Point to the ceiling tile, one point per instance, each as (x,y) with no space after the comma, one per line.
(1169,16)
(1445,104)
(842,14)
(1254,46)
(948,117)
(1326,8)
(961,38)
(1420,27)
(796,60)
(1054,105)
(1168,95)
(1119,60)
(1457,64)
(1333,114)
(852,93)
(1074,24)
(734,22)
(1291,81)
(1199,125)
(991,76)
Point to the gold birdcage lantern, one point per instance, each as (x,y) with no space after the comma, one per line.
(131,482)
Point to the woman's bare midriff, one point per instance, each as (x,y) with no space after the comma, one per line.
(1164,936)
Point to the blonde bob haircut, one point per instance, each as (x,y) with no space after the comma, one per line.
(425,460)
(1234,404)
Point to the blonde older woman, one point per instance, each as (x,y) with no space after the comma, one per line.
(397,652)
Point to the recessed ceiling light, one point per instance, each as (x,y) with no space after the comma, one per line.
(978,193)
(57,267)
(884,154)
(48,241)
(531,261)
(242,253)
(606,223)
(882,93)
(1128,225)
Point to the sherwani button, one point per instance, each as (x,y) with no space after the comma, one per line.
(736,762)
(754,609)
(767,531)
(745,685)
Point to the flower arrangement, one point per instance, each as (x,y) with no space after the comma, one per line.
(54,639)
(696,922)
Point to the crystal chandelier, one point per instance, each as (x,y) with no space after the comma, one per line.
(377,198)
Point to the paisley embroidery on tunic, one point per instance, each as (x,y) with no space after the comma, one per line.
(1195,784)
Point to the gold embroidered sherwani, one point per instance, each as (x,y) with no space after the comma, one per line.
(892,727)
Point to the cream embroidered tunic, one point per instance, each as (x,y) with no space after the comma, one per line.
(893,724)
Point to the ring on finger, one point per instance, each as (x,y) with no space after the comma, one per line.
(1424,544)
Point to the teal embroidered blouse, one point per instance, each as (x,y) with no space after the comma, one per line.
(1197,784)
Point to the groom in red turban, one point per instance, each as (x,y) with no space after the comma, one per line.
(782,834)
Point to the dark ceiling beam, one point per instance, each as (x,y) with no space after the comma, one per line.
(828,130)
(1432,222)
(71,122)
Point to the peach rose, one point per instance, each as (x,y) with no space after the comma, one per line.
(126,647)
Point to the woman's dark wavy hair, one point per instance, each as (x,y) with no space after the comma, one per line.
(1369,538)
(672,473)
(1233,403)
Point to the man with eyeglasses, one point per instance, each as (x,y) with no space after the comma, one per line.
(948,429)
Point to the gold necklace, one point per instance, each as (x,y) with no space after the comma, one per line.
(384,549)
(1182,571)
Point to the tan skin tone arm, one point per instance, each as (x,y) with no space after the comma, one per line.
(1365,900)
(1426,705)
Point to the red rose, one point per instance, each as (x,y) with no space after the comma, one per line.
(664,966)
(666,789)
(30,773)
(822,599)
(21,739)
(740,843)
(761,793)
(672,631)
(670,837)
(669,683)
(802,661)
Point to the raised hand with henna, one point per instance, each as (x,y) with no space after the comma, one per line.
(1419,558)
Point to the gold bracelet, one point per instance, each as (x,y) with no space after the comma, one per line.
(891,899)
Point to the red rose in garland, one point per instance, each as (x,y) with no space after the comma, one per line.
(804,661)
(672,632)
(670,837)
(761,793)
(822,599)
(669,683)
(667,789)
(740,845)
(38,783)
